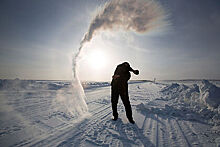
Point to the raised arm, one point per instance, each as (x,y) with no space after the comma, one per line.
(132,70)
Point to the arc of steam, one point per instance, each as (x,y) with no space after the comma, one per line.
(139,16)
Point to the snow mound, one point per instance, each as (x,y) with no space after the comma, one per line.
(15,84)
(56,86)
(205,93)
(170,87)
(91,85)
(181,91)
(18,85)
(210,94)
(203,99)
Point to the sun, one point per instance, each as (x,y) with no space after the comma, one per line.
(97,60)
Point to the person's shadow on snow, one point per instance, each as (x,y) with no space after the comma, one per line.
(170,112)
(129,134)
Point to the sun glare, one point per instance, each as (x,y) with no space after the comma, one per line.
(97,59)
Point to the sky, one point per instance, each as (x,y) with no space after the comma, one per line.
(38,39)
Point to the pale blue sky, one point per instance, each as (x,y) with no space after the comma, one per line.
(38,37)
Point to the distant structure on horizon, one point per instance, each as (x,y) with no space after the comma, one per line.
(154,80)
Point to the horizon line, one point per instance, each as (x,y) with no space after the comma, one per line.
(190,79)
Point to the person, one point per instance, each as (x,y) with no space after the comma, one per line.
(119,86)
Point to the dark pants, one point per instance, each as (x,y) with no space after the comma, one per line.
(120,88)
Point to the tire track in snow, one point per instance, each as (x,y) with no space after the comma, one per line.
(79,136)
(149,127)
(157,133)
(50,138)
(193,138)
(80,129)
(39,105)
(185,140)
(165,137)
(173,134)
(154,129)
(162,139)
(176,130)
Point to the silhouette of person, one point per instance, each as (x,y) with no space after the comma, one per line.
(119,86)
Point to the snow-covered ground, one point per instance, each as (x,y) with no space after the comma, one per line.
(34,113)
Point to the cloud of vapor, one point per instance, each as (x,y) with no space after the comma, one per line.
(131,15)
(139,16)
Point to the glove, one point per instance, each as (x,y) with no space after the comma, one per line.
(136,72)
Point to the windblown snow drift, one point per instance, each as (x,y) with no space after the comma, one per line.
(206,94)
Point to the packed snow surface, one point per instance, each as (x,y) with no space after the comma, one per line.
(36,113)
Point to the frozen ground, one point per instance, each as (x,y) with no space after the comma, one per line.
(34,113)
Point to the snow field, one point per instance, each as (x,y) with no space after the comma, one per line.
(165,115)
